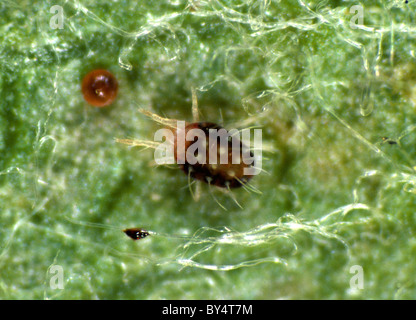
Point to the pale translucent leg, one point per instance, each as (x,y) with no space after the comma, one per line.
(195,112)
(139,143)
(165,121)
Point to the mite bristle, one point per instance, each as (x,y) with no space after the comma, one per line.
(231,194)
(195,112)
(213,195)
(190,185)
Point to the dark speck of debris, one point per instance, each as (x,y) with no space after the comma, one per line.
(136,233)
(388,140)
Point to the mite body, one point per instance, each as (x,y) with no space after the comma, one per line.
(205,151)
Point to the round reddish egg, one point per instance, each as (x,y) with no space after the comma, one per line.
(99,88)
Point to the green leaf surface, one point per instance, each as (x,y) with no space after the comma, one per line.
(336,104)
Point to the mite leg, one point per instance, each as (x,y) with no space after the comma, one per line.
(195,112)
(139,143)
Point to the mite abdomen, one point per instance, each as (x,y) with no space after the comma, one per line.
(212,160)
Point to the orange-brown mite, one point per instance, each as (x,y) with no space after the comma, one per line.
(224,174)
(192,147)
(99,88)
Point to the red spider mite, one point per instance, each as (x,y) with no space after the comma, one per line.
(219,174)
(224,175)
(99,88)
(136,233)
